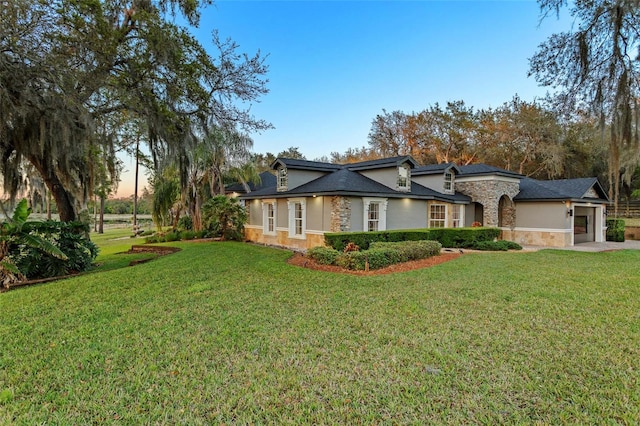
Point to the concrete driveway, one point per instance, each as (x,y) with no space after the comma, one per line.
(595,247)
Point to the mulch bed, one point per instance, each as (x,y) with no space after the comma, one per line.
(299,259)
(157,250)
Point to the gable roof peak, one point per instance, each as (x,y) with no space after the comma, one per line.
(383,162)
(295,163)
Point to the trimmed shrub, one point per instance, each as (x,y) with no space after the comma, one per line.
(187,235)
(171,236)
(152,239)
(501,245)
(410,250)
(615,230)
(323,255)
(448,237)
(383,254)
(513,245)
(202,234)
(376,258)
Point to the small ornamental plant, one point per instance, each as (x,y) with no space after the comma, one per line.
(351,247)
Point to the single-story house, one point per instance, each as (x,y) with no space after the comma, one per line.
(310,198)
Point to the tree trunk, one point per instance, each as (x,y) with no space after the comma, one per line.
(65,200)
(101,225)
(95,213)
(48,205)
(135,192)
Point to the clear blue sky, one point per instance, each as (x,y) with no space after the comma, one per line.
(334,65)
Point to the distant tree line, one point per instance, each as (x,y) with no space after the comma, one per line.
(524,137)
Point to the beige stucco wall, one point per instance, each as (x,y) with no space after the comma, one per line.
(546,215)
(357,214)
(435,182)
(405,213)
(318,216)
(469,214)
(387,177)
(255,212)
(317,220)
(318,211)
(282,213)
(297,178)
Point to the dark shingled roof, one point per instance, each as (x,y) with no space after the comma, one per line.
(484,169)
(375,164)
(267,179)
(292,163)
(345,182)
(433,169)
(562,189)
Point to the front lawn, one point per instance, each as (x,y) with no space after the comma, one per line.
(230,333)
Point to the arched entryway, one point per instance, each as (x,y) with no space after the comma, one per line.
(478,213)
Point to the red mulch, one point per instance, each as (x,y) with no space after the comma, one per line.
(299,259)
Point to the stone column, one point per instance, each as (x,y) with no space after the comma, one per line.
(340,214)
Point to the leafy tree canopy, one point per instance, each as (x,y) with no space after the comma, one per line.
(77,75)
(595,69)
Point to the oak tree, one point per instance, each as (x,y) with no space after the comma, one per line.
(594,67)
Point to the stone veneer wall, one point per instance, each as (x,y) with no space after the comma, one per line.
(281,239)
(538,238)
(340,214)
(488,193)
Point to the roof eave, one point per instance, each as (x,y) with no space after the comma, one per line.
(444,198)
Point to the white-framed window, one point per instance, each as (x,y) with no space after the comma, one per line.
(373,217)
(282,179)
(457,216)
(269,215)
(375,214)
(437,216)
(297,217)
(449,179)
(404,178)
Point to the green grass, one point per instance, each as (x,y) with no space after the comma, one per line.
(631,221)
(229,333)
(114,244)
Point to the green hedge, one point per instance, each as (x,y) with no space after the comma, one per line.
(500,245)
(323,255)
(412,250)
(615,230)
(379,254)
(448,237)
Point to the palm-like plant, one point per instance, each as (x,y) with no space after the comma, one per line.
(14,231)
(224,216)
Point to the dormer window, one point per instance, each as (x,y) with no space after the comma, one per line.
(282,179)
(404,178)
(449,182)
